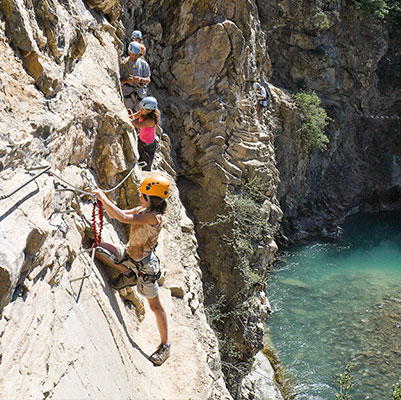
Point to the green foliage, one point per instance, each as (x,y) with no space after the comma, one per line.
(394,15)
(373,8)
(397,391)
(345,381)
(249,226)
(215,311)
(315,120)
(245,230)
(321,20)
(388,11)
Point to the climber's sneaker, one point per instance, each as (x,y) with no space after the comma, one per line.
(124,280)
(161,354)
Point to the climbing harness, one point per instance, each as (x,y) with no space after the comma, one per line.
(97,225)
(137,265)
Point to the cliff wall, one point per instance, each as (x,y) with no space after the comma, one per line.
(65,338)
(345,57)
(59,91)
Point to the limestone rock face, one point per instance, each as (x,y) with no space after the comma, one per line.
(66,338)
(60,101)
(260,382)
(206,57)
(199,67)
(342,55)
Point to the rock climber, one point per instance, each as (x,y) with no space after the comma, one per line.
(136,36)
(147,119)
(262,96)
(134,77)
(137,261)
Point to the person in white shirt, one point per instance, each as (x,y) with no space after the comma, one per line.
(261,93)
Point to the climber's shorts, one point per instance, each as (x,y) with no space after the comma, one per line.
(262,103)
(144,269)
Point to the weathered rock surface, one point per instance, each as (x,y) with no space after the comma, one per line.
(330,47)
(259,384)
(63,339)
(59,100)
(203,83)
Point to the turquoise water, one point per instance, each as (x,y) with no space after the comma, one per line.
(340,303)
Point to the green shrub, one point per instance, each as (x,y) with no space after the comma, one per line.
(321,20)
(388,11)
(315,120)
(394,15)
(215,311)
(397,390)
(345,381)
(250,227)
(373,8)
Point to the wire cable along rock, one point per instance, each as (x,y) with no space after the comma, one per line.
(49,171)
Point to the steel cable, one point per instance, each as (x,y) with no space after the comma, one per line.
(49,171)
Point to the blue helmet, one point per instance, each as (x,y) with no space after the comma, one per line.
(136,35)
(256,85)
(148,103)
(134,48)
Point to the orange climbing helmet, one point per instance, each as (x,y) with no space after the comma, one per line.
(155,185)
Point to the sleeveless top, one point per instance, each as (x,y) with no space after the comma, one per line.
(146,134)
(143,237)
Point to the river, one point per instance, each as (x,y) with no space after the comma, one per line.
(339,303)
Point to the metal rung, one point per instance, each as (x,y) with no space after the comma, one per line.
(5,196)
(90,266)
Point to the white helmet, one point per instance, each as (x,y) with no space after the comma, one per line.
(134,48)
(136,35)
(148,103)
(256,85)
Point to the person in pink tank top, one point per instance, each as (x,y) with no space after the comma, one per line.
(147,119)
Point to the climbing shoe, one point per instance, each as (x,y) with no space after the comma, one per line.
(124,280)
(161,354)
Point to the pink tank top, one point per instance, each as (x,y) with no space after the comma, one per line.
(146,134)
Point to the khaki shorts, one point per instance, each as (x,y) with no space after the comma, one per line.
(152,266)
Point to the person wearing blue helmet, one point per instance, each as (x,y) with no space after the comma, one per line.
(136,36)
(147,119)
(134,77)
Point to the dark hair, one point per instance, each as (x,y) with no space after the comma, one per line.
(153,115)
(157,204)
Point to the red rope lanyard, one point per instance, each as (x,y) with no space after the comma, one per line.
(97,235)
